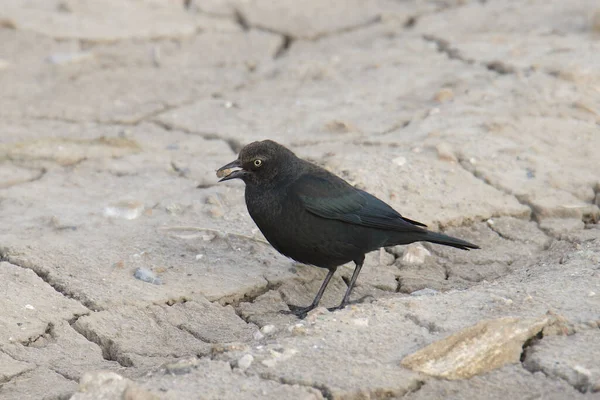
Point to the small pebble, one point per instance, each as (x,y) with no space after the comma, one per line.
(29,307)
(174,209)
(209,237)
(220,348)
(267,329)
(298,329)
(444,95)
(245,361)
(222,173)
(501,299)
(445,152)
(399,161)
(582,370)
(278,356)
(337,126)
(530,173)
(146,275)
(385,258)
(258,335)
(124,209)
(181,367)
(216,212)
(415,254)
(212,200)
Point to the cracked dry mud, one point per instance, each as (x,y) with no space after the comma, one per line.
(481,119)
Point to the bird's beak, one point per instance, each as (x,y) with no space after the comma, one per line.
(232,170)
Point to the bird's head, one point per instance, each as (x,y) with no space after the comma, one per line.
(259,163)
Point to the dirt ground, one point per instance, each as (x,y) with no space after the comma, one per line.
(128,272)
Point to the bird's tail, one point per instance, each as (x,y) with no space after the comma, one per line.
(440,238)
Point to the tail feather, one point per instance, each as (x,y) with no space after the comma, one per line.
(440,238)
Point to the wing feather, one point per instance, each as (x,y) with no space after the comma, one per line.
(329,196)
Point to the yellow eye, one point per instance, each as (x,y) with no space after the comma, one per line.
(257,163)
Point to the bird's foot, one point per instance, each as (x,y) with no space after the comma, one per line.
(341,306)
(299,312)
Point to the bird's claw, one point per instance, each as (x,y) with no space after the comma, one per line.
(332,309)
(299,312)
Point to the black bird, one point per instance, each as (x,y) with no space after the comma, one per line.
(317,218)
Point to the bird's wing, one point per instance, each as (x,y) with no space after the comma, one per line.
(331,197)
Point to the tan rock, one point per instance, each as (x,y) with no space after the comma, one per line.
(477,349)
(444,95)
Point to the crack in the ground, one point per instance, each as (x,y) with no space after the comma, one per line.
(45,276)
(284,48)
(233,143)
(240,19)
(398,284)
(165,107)
(446,271)
(61,119)
(463,163)
(418,386)
(586,217)
(106,352)
(63,374)
(325,391)
(234,300)
(41,172)
(431,326)
(48,332)
(453,53)
(444,46)
(109,349)
(367,24)
(593,218)
(582,385)
(498,66)
(173,301)
(501,235)
(532,341)
(196,336)
(6,379)
(246,25)
(251,297)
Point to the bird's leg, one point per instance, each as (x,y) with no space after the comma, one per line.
(302,311)
(359,264)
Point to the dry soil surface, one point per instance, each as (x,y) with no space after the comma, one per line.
(128,272)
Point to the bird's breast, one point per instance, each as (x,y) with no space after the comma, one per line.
(298,234)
